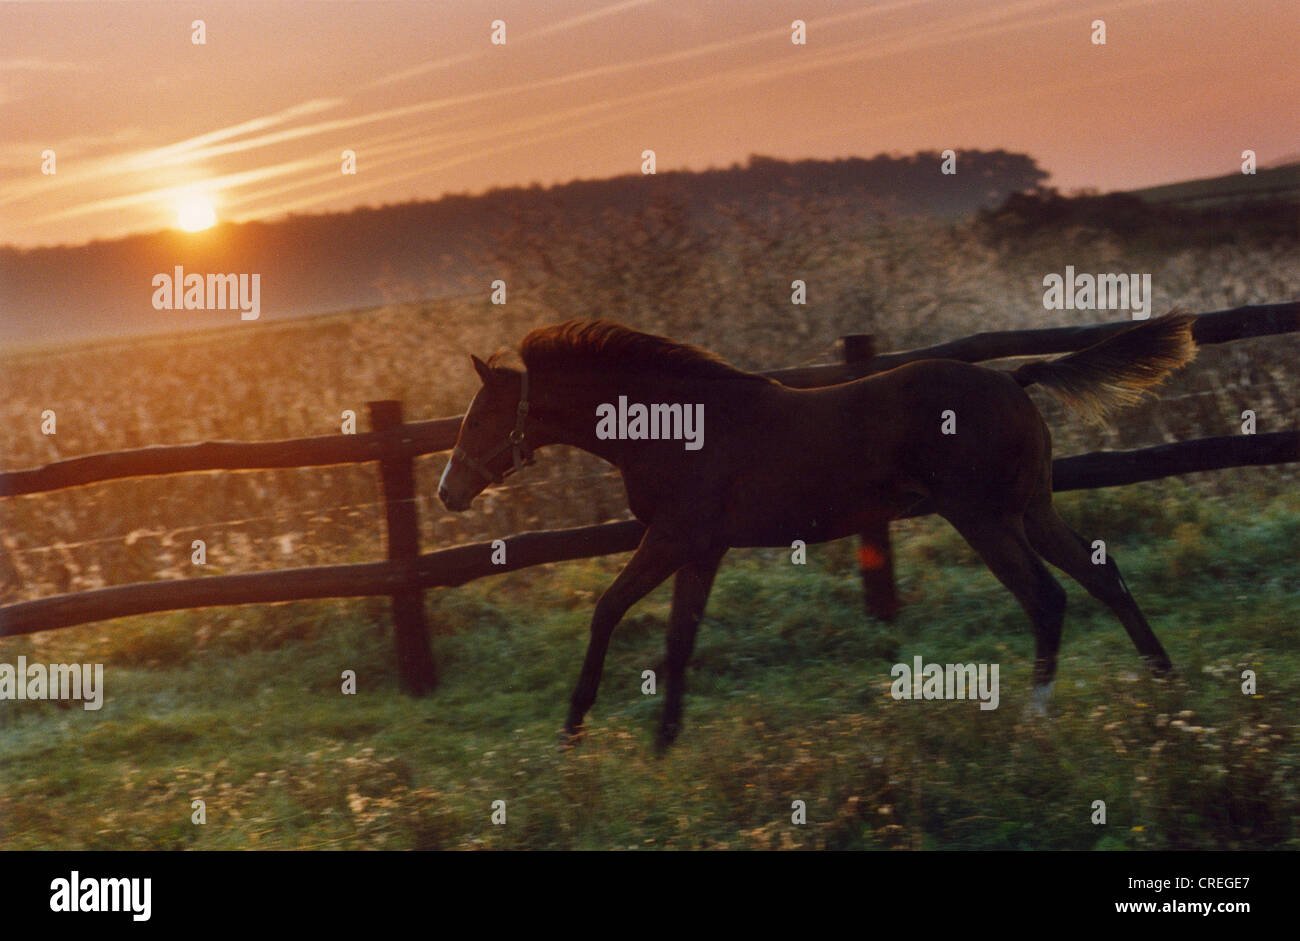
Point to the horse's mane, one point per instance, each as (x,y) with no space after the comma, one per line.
(599,345)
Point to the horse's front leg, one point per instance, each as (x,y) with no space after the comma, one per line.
(655,559)
(690,595)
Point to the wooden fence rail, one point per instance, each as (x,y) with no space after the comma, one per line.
(1223,326)
(448,568)
(407,574)
(421,437)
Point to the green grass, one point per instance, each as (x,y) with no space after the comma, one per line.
(788,700)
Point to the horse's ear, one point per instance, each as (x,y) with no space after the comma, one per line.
(483,369)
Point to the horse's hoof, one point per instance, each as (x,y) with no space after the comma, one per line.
(665,739)
(1039,699)
(570,738)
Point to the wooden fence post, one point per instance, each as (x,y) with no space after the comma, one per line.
(875,554)
(417,673)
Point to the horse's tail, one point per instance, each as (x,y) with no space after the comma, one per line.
(1114,373)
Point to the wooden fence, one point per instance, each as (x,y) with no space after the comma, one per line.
(406,574)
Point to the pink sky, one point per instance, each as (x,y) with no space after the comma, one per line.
(256,119)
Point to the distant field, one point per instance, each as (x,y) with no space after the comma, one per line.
(1273,183)
(240,706)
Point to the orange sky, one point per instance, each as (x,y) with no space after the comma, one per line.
(256,119)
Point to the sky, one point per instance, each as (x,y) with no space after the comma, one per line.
(150,130)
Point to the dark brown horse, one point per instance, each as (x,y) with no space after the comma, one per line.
(769,464)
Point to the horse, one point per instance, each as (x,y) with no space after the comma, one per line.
(777,464)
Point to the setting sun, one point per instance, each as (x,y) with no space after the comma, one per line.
(195,212)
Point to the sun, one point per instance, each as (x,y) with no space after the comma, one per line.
(195,212)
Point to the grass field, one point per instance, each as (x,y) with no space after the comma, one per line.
(788,700)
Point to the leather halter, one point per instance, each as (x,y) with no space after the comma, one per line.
(514,442)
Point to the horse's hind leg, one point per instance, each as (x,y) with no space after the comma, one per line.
(1003,545)
(1070,553)
(690,594)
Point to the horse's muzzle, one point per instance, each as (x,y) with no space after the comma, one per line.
(451,502)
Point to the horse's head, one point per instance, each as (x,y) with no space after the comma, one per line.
(491,444)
